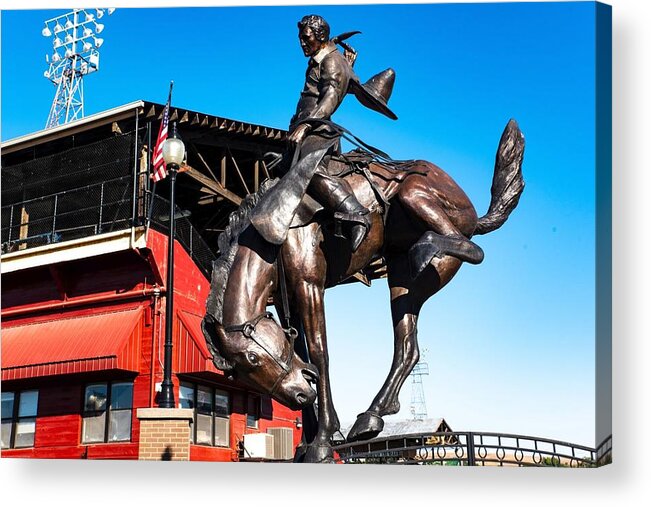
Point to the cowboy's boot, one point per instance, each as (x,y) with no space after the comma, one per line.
(335,194)
(432,245)
(350,210)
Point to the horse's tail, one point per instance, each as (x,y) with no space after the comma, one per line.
(508,183)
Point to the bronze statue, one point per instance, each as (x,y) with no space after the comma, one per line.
(280,242)
(329,77)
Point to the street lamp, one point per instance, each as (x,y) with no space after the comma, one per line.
(173,155)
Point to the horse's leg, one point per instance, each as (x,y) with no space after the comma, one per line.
(442,236)
(407,299)
(309,419)
(306,272)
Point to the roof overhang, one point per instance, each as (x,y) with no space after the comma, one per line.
(148,111)
(86,123)
(79,344)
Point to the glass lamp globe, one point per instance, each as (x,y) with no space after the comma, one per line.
(173,151)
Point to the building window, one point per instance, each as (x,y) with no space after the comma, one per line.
(252,411)
(211,421)
(107,412)
(19,410)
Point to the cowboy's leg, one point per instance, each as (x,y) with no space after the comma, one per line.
(442,237)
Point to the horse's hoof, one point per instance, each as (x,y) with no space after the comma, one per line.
(368,425)
(318,453)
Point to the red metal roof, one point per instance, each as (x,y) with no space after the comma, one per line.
(72,345)
(192,353)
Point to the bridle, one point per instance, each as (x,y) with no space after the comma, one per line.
(249,332)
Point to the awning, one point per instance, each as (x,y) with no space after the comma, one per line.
(95,342)
(191,354)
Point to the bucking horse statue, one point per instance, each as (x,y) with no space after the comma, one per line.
(420,223)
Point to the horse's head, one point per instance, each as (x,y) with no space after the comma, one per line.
(261,354)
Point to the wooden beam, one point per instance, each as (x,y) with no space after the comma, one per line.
(265,170)
(213,185)
(239,173)
(223,169)
(256,176)
(220,139)
(195,150)
(210,199)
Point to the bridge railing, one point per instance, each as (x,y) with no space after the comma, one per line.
(470,449)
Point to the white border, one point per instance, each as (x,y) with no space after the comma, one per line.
(626,482)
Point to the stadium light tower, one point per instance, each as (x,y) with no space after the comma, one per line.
(418,407)
(76,53)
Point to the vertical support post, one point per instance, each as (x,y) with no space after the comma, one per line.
(11,222)
(256,176)
(167,387)
(191,252)
(54,217)
(134,195)
(470,446)
(101,208)
(223,171)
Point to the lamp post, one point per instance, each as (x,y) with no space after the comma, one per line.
(173,154)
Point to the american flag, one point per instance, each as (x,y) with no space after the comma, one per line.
(158,170)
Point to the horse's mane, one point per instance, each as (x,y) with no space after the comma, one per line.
(228,243)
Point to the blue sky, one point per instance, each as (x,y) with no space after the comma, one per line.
(510,343)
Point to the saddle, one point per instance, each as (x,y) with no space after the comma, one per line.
(362,162)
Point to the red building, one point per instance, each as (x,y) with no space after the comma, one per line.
(84,249)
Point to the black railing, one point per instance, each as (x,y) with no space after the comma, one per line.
(45,202)
(85,211)
(186,234)
(473,449)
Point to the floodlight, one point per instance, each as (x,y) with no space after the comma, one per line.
(76,33)
(111,10)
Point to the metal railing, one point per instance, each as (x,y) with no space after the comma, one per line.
(473,449)
(186,234)
(70,214)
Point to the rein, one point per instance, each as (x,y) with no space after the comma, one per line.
(248,330)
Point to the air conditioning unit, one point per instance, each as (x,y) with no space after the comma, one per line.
(258,446)
(283,443)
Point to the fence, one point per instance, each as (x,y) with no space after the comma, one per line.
(472,449)
(186,234)
(45,201)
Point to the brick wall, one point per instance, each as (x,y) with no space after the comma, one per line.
(164,434)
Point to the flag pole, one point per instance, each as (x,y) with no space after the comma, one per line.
(151,162)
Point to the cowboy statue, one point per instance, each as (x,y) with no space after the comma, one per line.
(313,138)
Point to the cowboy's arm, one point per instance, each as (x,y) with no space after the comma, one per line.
(333,86)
